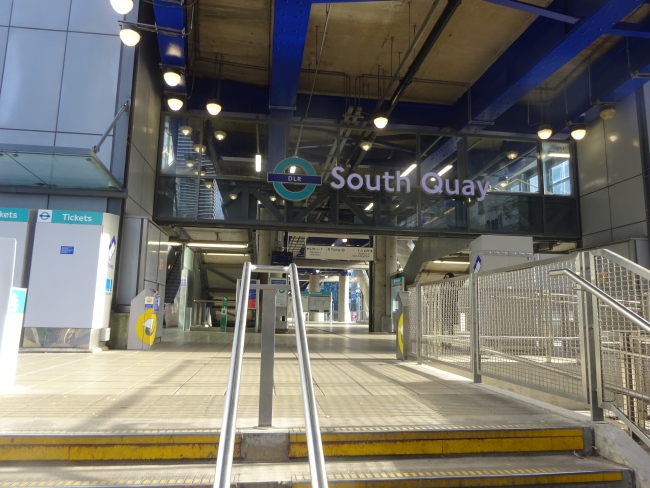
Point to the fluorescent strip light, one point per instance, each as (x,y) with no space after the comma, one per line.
(258,162)
(171,243)
(445,169)
(222,245)
(367,208)
(408,170)
(237,255)
(466,263)
(559,155)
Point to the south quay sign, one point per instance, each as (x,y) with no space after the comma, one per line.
(431,183)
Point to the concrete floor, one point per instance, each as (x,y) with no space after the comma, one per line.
(181,383)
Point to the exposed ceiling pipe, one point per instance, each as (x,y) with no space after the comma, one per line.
(415,66)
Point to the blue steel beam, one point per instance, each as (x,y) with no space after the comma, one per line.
(173,49)
(534,9)
(540,51)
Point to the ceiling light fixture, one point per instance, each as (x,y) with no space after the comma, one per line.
(189,163)
(366,145)
(512,154)
(344,239)
(129,37)
(381,121)
(199,148)
(273,198)
(445,169)
(544,131)
(221,245)
(233,196)
(367,208)
(175,103)
(607,112)
(410,168)
(558,155)
(172,76)
(186,130)
(292,170)
(219,135)
(578,131)
(122,7)
(213,106)
(438,261)
(258,162)
(208,184)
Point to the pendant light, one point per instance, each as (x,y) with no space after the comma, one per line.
(186,130)
(366,145)
(380,121)
(578,131)
(129,37)
(219,135)
(175,103)
(214,105)
(122,7)
(172,76)
(544,131)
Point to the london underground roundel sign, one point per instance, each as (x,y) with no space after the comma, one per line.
(281,179)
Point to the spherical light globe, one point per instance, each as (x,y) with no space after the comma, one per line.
(219,135)
(122,7)
(544,132)
(129,37)
(175,103)
(381,121)
(213,106)
(172,77)
(578,132)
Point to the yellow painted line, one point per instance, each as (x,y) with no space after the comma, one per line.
(54,440)
(455,479)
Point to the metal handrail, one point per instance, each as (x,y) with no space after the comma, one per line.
(623,310)
(223,468)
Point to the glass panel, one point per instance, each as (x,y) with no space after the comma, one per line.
(561,217)
(55,167)
(232,146)
(177,197)
(504,165)
(556,158)
(506,213)
(443,213)
(180,152)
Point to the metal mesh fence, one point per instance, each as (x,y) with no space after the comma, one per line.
(529,329)
(446,322)
(624,347)
(411,325)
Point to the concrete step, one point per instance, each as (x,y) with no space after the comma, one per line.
(277,445)
(414,472)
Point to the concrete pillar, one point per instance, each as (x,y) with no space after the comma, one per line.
(385,267)
(379,284)
(344,298)
(364,286)
(314,286)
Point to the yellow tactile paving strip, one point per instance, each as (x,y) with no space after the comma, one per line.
(497,477)
(383,479)
(458,440)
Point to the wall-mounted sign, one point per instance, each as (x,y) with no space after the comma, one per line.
(308,181)
(340,253)
(431,183)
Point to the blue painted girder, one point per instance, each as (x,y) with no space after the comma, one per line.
(539,52)
(173,49)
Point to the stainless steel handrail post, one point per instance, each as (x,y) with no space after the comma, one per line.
(227,435)
(315,446)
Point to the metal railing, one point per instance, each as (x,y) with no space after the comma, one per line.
(223,471)
(532,326)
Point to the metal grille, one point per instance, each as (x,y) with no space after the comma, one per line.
(529,330)
(624,347)
(411,325)
(446,322)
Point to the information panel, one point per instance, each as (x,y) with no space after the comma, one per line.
(340,253)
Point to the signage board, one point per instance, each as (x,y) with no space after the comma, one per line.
(340,253)
(281,295)
(45,216)
(320,302)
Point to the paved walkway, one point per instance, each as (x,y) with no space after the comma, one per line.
(181,383)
